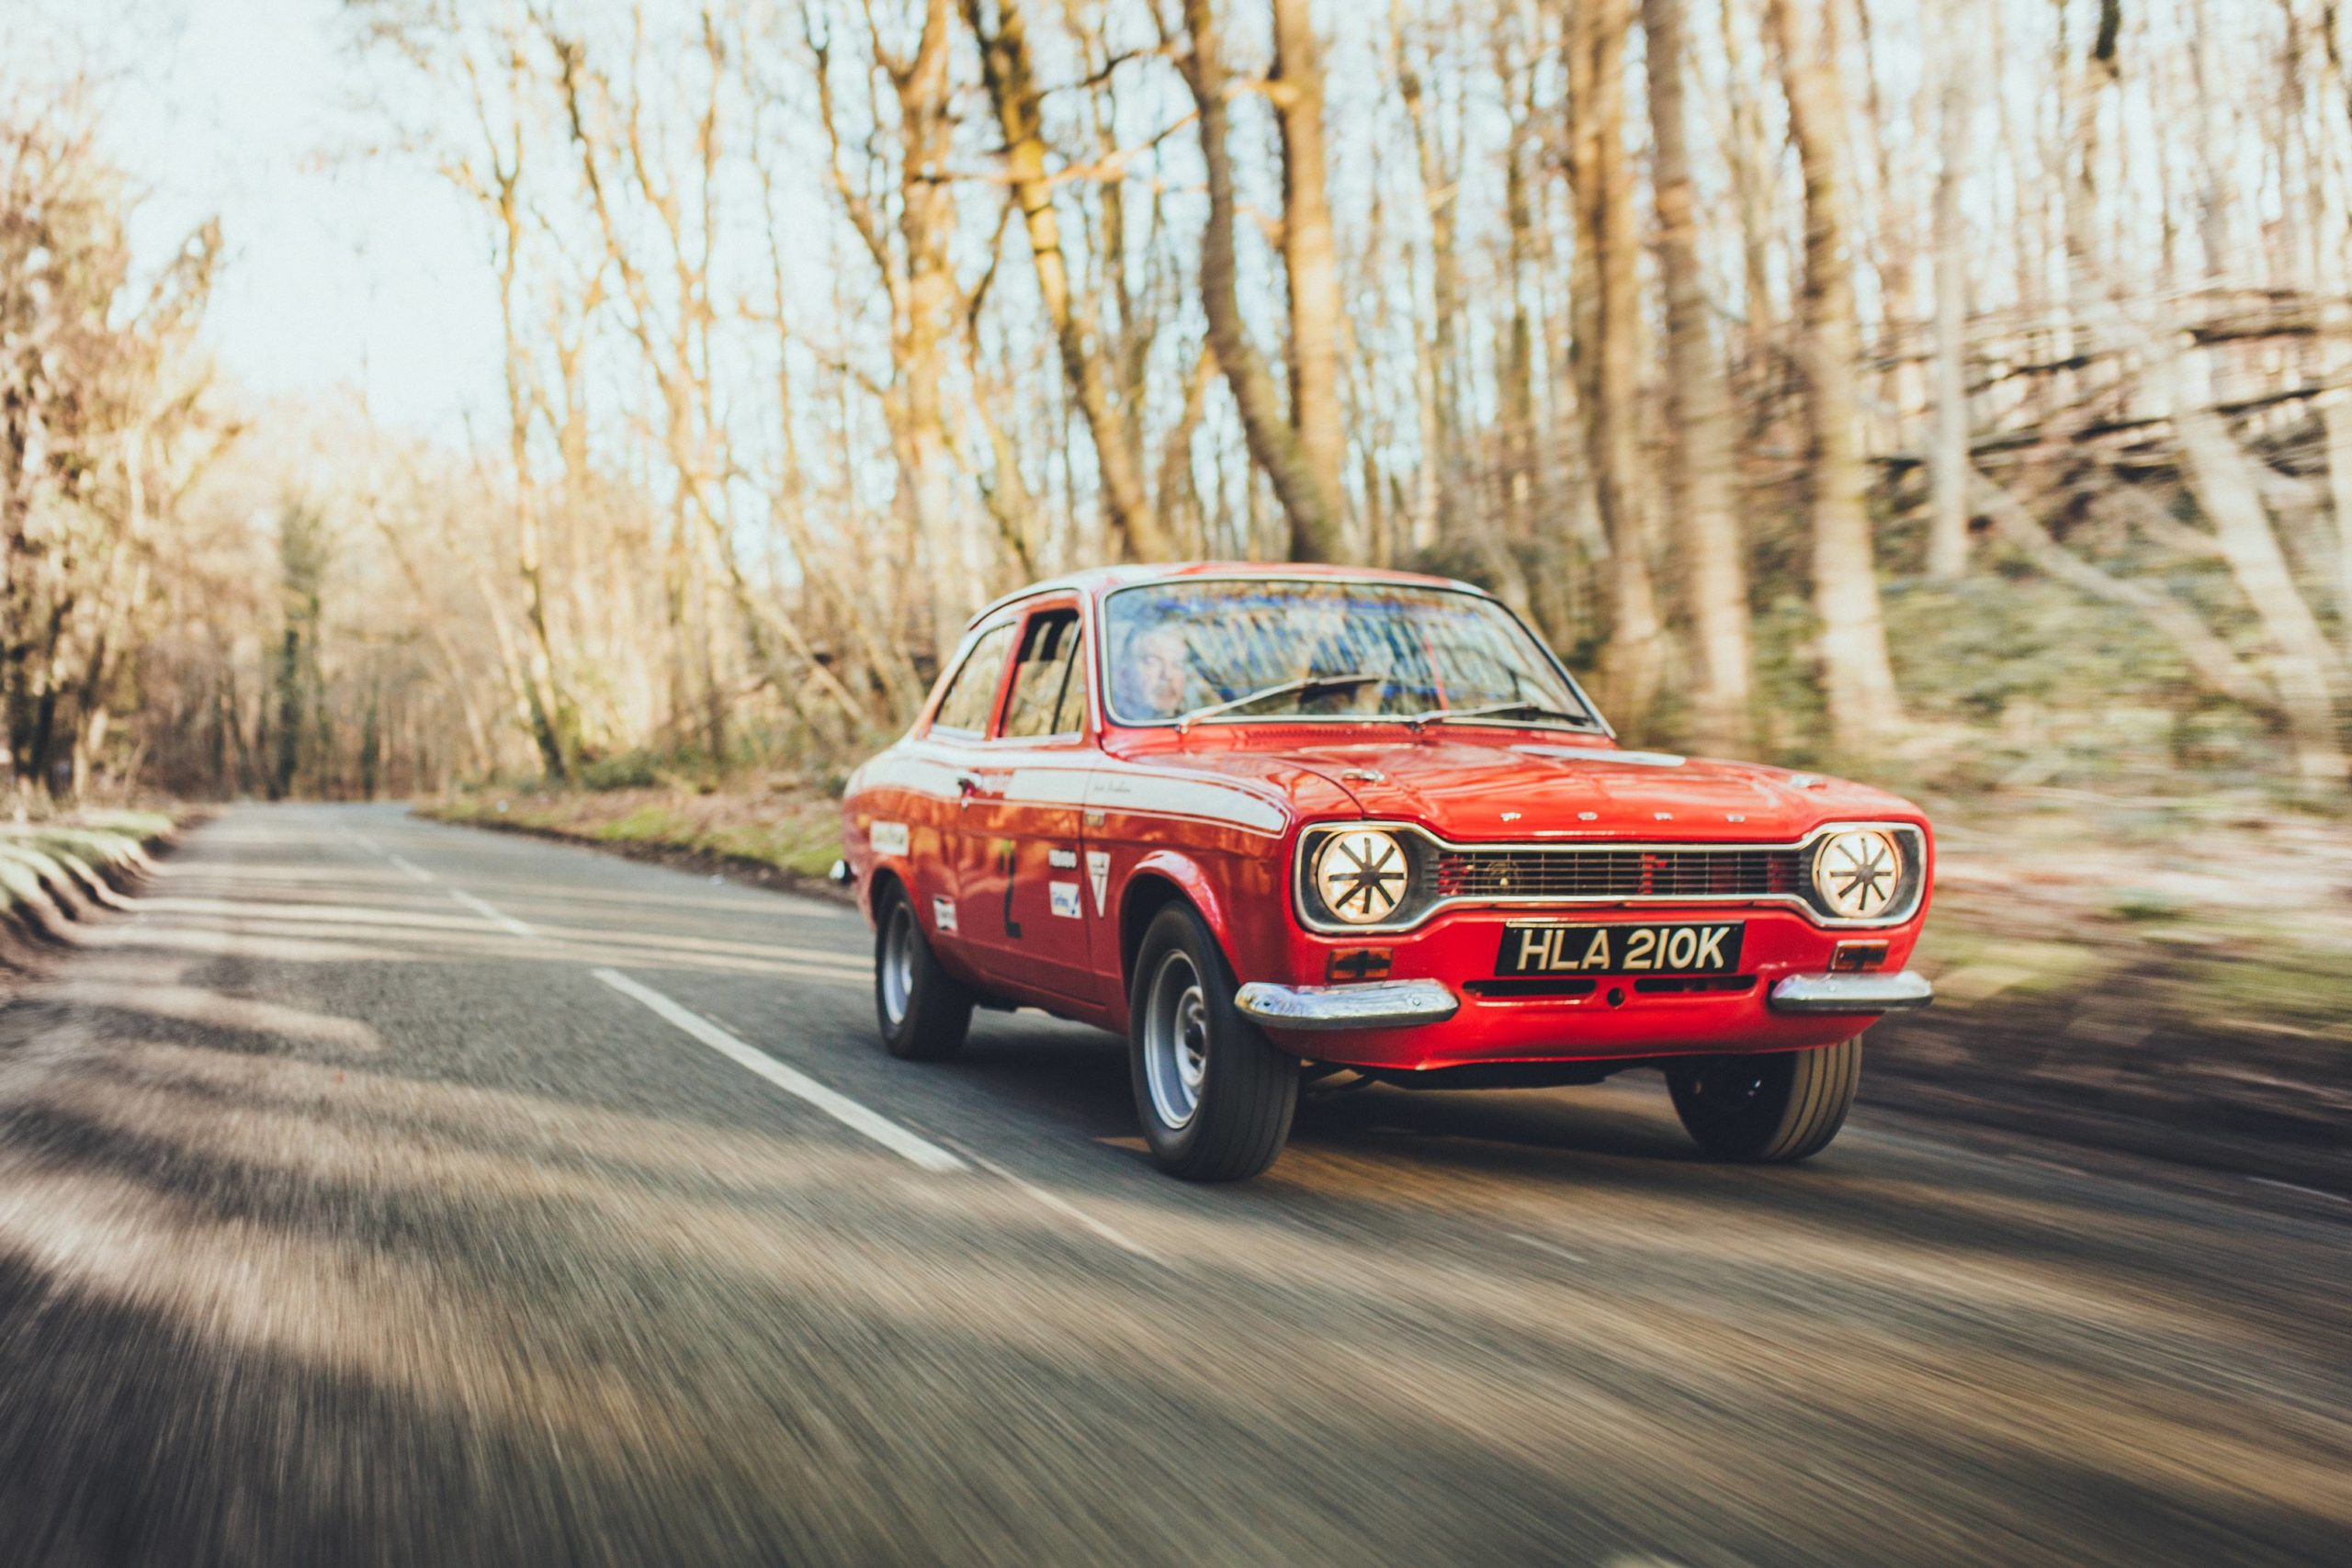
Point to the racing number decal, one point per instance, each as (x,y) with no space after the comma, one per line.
(1008,856)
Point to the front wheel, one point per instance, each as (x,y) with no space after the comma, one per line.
(1767,1107)
(1215,1098)
(924,1012)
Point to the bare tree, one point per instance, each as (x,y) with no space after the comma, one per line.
(1856,674)
(1608,350)
(1948,505)
(1012,89)
(1705,485)
(496,185)
(1315,325)
(1311,506)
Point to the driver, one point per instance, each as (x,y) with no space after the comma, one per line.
(1152,680)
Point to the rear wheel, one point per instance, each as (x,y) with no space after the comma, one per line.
(923,1010)
(1767,1107)
(1215,1097)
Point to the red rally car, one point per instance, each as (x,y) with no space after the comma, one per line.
(1276,823)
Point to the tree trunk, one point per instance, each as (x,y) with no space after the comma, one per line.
(2336,417)
(549,709)
(1013,91)
(1749,161)
(2302,662)
(1699,404)
(1856,676)
(1312,509)
(1608,351)
(1316,327)
(1948,456)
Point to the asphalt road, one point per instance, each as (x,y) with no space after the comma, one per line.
(387,1193)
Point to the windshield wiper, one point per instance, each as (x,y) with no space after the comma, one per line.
(1283,689)
(1494,710)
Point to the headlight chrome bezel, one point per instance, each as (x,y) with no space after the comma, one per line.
(1422,848)
(1857,874)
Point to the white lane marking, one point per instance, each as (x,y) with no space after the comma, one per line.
(1111,1233)
(410,866)
(1542,1246)
(2306,1191)
(364,841)
(832,1102)
(495,916)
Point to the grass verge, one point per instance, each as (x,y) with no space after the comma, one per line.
(778,835)
(58,873)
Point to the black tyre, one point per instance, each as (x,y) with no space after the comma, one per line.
(923,1010)
(1766,1107)
(1215,1097)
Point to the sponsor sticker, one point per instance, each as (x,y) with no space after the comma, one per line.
(1098,872)
(1064,899)
(943,914)
(888,839)
(1062,860)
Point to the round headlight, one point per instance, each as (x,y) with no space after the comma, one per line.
(1858,874)
(1361,875)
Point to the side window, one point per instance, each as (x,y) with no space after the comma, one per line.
(1049,678)
(963,710)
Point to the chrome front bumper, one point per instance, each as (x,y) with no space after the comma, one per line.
(1851,992)
(1378,1004)
(1396,1004)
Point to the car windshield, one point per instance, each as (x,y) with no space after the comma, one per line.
(1309,648)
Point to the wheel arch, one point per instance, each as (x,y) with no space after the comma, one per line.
(880,883)
(1159,882)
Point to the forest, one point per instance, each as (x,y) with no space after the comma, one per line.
(1960,388)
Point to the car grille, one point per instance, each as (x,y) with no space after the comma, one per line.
(1594,871)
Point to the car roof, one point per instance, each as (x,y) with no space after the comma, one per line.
(1097,580)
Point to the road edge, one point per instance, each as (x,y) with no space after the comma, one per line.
(676,857)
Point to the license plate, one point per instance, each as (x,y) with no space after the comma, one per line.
(1709,949)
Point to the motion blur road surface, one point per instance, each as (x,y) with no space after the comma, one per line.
(387,1193)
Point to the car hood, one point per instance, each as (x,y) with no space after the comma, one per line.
(1540,784)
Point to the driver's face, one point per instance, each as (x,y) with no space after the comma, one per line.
(1159,672)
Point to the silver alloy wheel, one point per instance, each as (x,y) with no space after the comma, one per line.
(896,973)
(1176,1040)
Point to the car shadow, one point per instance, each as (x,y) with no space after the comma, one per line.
(1080,1076)
(1631,1120)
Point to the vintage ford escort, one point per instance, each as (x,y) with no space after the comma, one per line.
(1276,823)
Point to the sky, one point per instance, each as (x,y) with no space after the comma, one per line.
(348,266)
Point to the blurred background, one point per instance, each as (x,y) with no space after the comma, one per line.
(602,417)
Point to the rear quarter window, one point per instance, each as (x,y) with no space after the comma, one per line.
(970,698)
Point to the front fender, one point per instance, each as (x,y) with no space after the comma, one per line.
(1239,899)
(1191,879)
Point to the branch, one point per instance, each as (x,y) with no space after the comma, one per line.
(2211,660)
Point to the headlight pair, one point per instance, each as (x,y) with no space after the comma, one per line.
(1375,876)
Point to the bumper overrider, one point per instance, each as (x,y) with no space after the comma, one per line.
(1397,1004)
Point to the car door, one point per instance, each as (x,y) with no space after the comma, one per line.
(1027,902)
(956,746)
